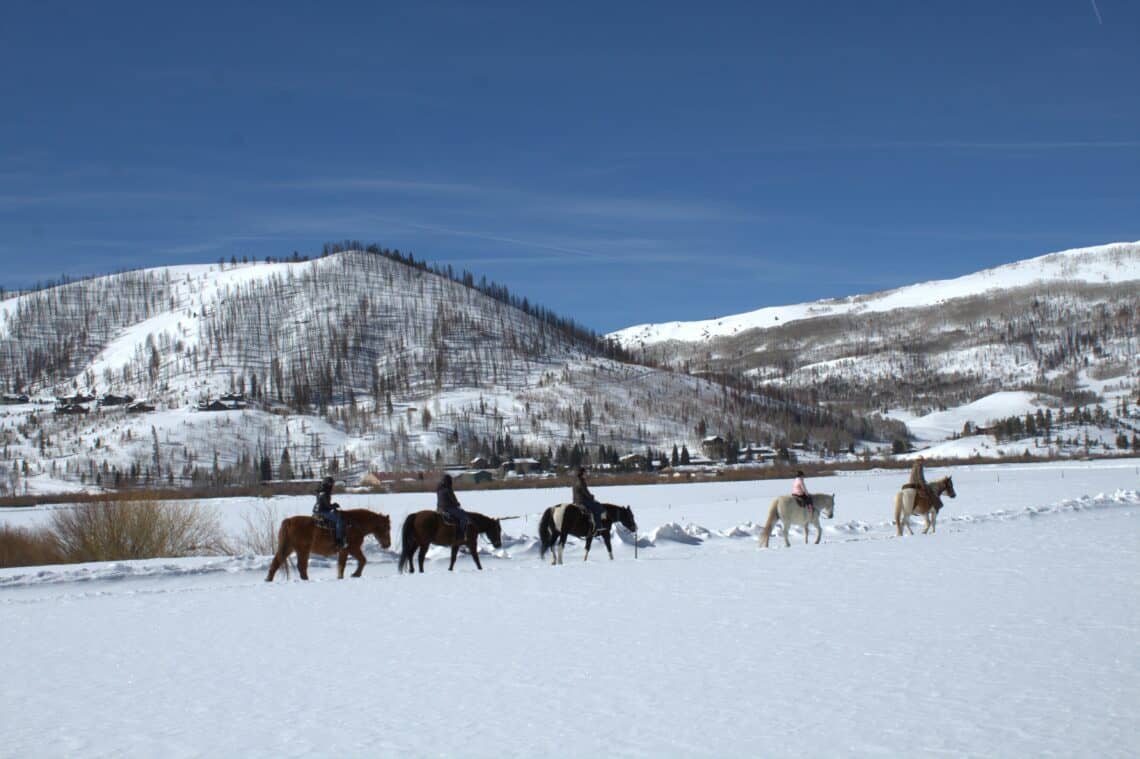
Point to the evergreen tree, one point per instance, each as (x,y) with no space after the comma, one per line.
(285,468)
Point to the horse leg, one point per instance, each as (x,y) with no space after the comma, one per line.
(609,545)
(454,556)
(303,563)
(341,562)
(589,540)
(784,527)
(473,549)
(358,554)
(562,545)
(423,552)
(807,529)
(818,529)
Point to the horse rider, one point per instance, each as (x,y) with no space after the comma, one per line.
(328,511)
(918,481)
(447,504)
(800,491)
(584,499)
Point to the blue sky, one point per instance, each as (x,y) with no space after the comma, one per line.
(616,162)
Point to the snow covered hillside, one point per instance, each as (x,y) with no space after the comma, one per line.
(1098,265)
(354,362)
(1010,632)
(1061,327)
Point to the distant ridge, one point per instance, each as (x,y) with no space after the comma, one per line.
(1114,263)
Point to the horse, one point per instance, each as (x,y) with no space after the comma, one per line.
(424,528)
(907,503)
(788,510)
(565,519)
(303,535)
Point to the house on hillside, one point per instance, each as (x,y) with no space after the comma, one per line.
(139,407)
(632,461)
(475,476)
(758,453)
(713,447)
(9,398)
(111,399)
(221,404)
(478,463)
(71,400)
(64,409)
(520,466)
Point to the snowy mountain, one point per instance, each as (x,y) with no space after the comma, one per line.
(1057,325)
(1112,264)
(356,361)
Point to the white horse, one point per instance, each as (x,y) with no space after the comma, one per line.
(788,510)
(905,505)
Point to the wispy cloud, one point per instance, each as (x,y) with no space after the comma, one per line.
(85,198)
(377,184)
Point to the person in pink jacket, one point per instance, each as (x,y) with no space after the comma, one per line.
(800,491)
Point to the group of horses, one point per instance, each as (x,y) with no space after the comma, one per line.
(908,502)
(422,529)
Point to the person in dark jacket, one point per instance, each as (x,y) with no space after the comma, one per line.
(447,504)
(583,498)
(329,511)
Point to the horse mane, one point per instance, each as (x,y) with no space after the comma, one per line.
(481,519)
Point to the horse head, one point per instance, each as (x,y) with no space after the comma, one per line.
(382,529)
(495,533)
(948,487)
(827,507)
(625,517)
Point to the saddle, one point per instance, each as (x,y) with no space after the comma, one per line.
(324,523)
(924,496)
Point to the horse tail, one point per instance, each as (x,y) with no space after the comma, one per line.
(284,548)
(773,515)
(546,532)
(407,543)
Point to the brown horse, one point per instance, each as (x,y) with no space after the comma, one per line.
(909,500)
(425,528)
(303,535)
(565,519)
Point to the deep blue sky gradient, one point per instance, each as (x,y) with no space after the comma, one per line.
(616,162)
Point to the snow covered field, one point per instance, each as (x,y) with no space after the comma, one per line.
(1012,632)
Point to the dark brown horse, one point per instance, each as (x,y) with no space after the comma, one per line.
(561,521)
(303,535)
(425,528)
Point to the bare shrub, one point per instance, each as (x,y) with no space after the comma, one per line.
(119,530)
(24,547)
(259,534)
